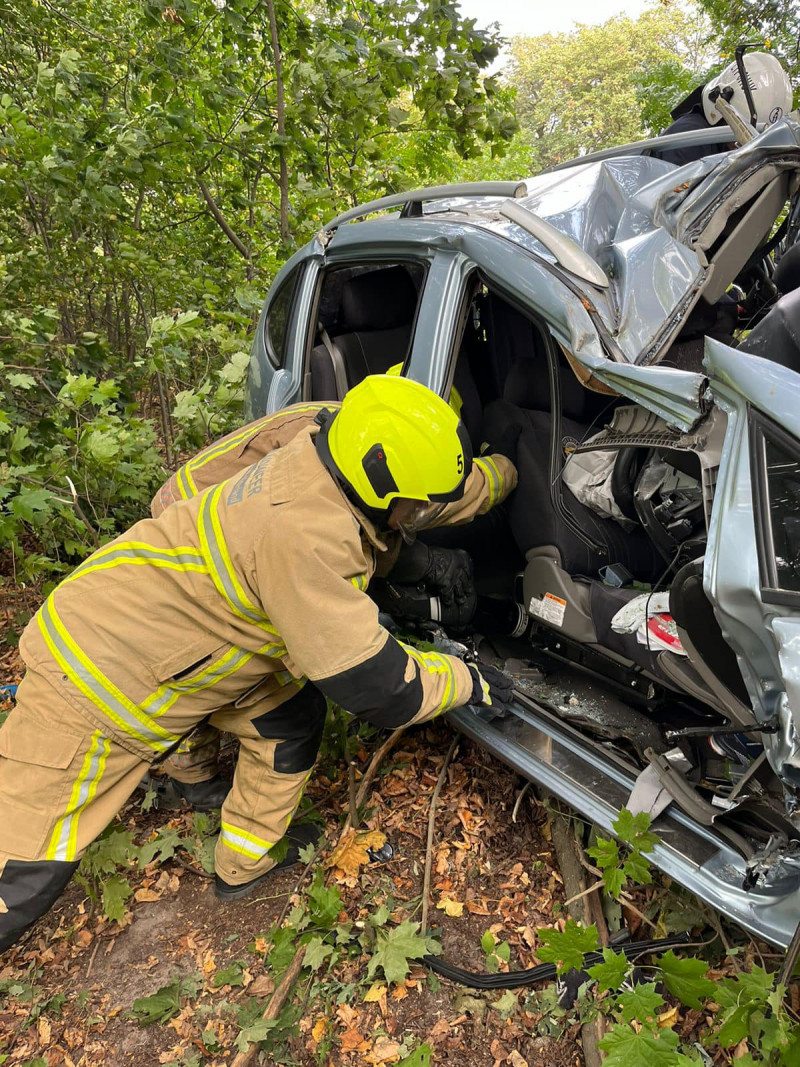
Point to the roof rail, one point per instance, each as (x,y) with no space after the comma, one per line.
(435,192)
(721,134)
(566,251)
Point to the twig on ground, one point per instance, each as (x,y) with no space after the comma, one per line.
(372,769)
(426,881)
(91,958)
(351,794)
(518,801)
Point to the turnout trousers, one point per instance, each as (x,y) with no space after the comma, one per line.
(63,778)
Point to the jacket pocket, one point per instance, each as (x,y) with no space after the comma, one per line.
(182,665)
(38,765)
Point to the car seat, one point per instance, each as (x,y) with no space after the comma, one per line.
(535,522)
(777,336)
(376,320)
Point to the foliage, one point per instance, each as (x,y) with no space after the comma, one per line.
(597,86)
(396,947)
(497,952)
(617,868)
(165,1002)
(157,162)
(771,25)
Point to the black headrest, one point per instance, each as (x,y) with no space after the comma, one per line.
(380,300)
(787,273)
(528,386)
(777,336)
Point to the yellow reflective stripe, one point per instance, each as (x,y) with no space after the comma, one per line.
(247,844)
(223,447)
(94,685)
(494,479)
(435,663)
(166,695)
(63,842)
(185,483)
(360,581)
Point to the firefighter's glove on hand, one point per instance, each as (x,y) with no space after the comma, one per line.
(445,572)
(505,443)
(490,686)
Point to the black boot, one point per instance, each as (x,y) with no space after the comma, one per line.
(298,836)
(203,796)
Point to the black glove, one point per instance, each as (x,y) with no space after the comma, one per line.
(414,602)
(505,443)
(445,572)
(490,686)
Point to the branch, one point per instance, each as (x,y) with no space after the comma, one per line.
(221,221)
(426,881)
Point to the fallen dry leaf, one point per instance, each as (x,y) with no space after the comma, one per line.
(353,1041)
(44,1032)
(440,1032)
(668,1018)
(146,895)
(384,1051)
(319,1030)
(453,908)
(261,986)
(351,852)
(515,1059)
(375,992)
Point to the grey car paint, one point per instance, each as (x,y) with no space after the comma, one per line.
(649,225)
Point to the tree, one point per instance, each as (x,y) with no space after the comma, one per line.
(158,161)
(603,85)
(772,25)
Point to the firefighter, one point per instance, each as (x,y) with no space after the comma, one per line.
(244,605)
(192,770)
(755,86)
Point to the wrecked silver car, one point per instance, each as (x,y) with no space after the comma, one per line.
(641,323)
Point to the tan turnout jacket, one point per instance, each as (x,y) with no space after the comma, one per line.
(238,592)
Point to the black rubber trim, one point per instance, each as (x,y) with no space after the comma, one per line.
(376,690)
(545,972)
(297,725)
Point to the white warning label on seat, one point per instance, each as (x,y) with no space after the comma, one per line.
(550,608)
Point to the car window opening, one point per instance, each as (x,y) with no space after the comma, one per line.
(364,324)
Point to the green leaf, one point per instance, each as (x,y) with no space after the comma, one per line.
(686,979)
(508,1003)
(610,974)
(503,951)
(232,975)
(380,916)
(605,853)
(21,381)
(284,947)
(567,949)
(640,1003)
(624,1047)
(420,1057)
(116,890)
(28,502)
(316,953)
(396,947)
(20,440)
(614,880)
(324,904)
(161,1006)
(637,868)
(634,830)
(254,1034)
(488,942)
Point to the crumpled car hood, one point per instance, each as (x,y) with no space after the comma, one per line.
(649,224)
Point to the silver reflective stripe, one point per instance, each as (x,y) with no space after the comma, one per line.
(61,848)
(93,684)
(168,694)
(216,556)
(244,843)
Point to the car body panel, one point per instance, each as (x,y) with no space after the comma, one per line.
(765,637)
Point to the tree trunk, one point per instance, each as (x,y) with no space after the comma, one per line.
(283,184)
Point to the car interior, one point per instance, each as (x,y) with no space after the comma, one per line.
(571,567)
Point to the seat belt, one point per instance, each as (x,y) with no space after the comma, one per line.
(337,362)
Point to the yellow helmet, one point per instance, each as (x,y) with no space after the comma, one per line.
(394,439)
(455,401)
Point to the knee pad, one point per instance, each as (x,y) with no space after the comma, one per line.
(297,726)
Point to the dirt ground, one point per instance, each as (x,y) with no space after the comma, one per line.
(68,988)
